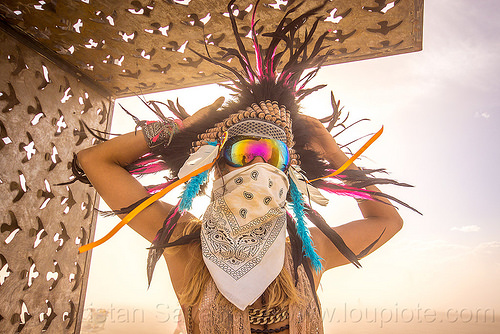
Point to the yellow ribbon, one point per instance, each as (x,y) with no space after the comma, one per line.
(150,201)
(354,157)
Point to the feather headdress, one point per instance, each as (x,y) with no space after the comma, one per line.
(275,86)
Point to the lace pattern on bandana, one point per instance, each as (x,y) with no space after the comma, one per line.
(244,219)
(238,256)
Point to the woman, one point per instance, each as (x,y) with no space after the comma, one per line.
(104,166)
(237,271)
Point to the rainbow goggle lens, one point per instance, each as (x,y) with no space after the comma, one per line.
(239,151)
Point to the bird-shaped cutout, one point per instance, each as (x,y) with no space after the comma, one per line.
(385,28)
(339,36)
(10,97)
(386,45)
(80,133)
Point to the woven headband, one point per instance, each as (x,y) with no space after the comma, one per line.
(257,128)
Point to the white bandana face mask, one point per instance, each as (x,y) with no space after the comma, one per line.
(244,231)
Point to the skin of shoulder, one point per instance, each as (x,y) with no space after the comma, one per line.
(179,257)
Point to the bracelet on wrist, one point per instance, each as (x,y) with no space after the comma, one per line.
(159,134)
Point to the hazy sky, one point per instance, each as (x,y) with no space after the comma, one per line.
(440,110)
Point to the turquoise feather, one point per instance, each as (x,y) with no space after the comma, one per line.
(191,190)
(302,230)
(193,187)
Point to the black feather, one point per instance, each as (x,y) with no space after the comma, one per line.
(296,246)
(123,210)
(161,239)
(78,173)
(330,233)
(367,250)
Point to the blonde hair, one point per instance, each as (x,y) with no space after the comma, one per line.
(281,292)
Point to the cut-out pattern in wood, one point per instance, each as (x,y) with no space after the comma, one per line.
(134,46)
(41,224)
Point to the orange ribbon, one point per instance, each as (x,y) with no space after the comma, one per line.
(150,201)
(354,157)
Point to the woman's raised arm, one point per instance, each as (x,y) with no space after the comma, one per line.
(104,166)
(380,219)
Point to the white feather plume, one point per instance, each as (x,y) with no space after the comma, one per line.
(203,156)
(305,188)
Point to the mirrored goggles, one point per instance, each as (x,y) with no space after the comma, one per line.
(239,151)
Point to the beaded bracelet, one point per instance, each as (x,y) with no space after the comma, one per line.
(159,134)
